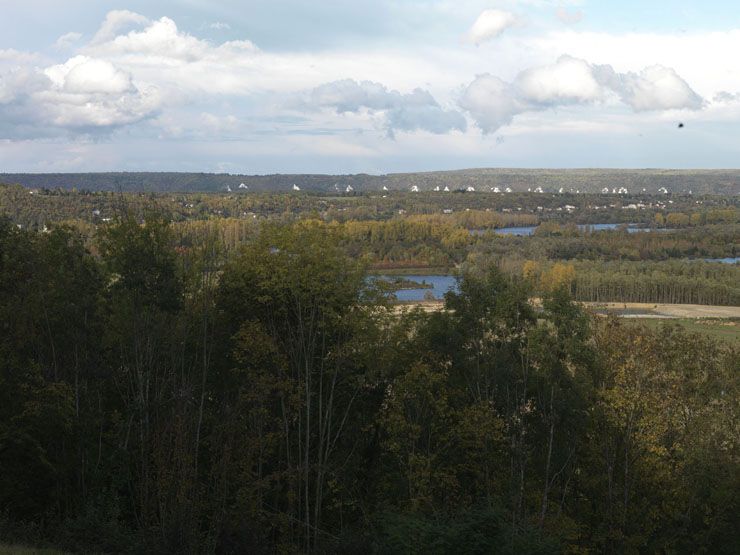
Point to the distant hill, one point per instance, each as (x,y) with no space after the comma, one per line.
(725,182)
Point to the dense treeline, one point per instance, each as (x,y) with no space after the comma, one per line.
(585,180)
(571,243)
(682,282)
(666,282)
(440,231)
(156,400)
(36,208)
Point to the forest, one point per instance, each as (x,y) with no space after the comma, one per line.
(724,182)
(169,392)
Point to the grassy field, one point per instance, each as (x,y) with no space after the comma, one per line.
(724,329)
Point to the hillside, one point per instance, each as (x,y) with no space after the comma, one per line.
(726,182)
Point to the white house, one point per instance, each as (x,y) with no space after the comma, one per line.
(349,189)
(470,189)
(447,189)
(296,187)
(243,186)
(414,189)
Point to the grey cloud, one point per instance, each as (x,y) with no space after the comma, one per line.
(417,110)
(724,96)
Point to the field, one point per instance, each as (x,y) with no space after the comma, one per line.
(723,329)
(718,322)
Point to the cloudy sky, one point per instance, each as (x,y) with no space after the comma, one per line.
(335,86)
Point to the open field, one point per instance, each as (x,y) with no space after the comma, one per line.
(662,310)
(726,330)
(719,322)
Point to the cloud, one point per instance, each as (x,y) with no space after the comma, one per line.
(569,17)
(10,56)
(161,42)
(725,97)
(81,96)
(67,40)
(115,22)
(82,74)
(417,110)
(493,103)
(489,25)
(220,26)
(567,81)
(656,88)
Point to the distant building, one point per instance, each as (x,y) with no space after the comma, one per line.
(414,189)
(296,187)
(243,186)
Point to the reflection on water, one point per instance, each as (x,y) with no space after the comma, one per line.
(526,231)
(440,286)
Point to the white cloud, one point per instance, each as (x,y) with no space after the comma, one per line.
(417,110)
(115,22)
(489,25)
(83,74)
(83,95)
(567,81)
(67,40)
(10,56)
(220,26)
(657,88)
(161,42)
(493,103)
(569,17)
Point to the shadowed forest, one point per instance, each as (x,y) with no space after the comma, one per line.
(163,395)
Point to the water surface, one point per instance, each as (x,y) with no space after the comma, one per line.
(440,286)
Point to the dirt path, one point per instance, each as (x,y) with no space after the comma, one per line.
(662,310)
(627,310)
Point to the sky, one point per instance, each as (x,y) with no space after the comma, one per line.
(373,86)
